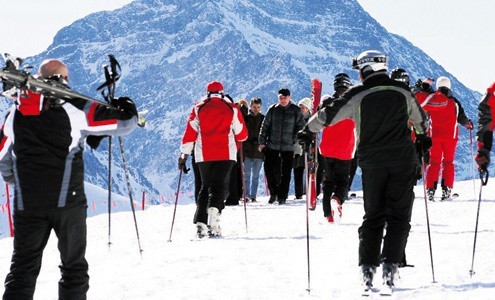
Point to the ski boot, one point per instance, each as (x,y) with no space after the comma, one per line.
(431,194)
(202,230)
(389,273)
(214,222)
(367,271)
(446,193)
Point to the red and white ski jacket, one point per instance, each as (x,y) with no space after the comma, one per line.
(444,114)
(41,148)
(486,122)
(215,125)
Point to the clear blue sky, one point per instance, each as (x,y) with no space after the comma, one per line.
(455,33)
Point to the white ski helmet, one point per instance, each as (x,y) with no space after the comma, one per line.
(443,81)
(370,60)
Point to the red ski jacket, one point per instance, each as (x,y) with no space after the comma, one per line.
(444,114)
(215,125)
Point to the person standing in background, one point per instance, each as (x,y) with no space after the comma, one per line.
(253,159)
(278,137)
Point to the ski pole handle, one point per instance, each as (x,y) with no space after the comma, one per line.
(484,177)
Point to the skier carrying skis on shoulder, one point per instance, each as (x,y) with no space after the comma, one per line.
(214,127)
(381,108)
(486,125)
(41,154)
(337,147)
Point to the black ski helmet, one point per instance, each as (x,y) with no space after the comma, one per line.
(400,74)
(341,83)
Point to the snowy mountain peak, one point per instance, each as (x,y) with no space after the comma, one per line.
(169,50)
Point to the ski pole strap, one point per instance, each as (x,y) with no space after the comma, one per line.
(484,177)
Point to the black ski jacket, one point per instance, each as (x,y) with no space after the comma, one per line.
(381,108)
(280,127)
(250,146)
(41,148)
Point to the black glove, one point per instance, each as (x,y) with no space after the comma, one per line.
(94,141)
(305,137)
(424,85)
(483,159)
(182,163)
(423,144)
(127,108)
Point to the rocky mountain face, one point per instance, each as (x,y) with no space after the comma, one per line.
(170,49)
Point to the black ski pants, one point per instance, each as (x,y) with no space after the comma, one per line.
(214,187)
(32,230)
(299,181)
(336,181)
(388,201)
(278,169)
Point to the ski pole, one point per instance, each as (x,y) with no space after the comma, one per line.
(9,214)
(126,171)
(175,206)
(109,189)
(112,75)
(472,162)
(427,217)
(484,181)
(241,158)
(307,224)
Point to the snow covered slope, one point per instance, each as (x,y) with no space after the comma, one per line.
(269,260)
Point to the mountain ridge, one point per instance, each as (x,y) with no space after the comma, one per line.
(169,50)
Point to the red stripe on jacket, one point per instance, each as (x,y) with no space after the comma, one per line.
(91,118)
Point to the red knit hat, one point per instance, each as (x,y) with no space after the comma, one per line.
(214,86)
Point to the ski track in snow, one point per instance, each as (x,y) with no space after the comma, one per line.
(269,261)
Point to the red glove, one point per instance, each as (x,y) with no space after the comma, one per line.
(470,125)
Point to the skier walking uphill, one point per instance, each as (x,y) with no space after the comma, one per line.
(337,147)
(215,125)
(486,125)
(41,148)
(278,137)
(381,108)
(445,112)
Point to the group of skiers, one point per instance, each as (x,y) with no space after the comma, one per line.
(391,128)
